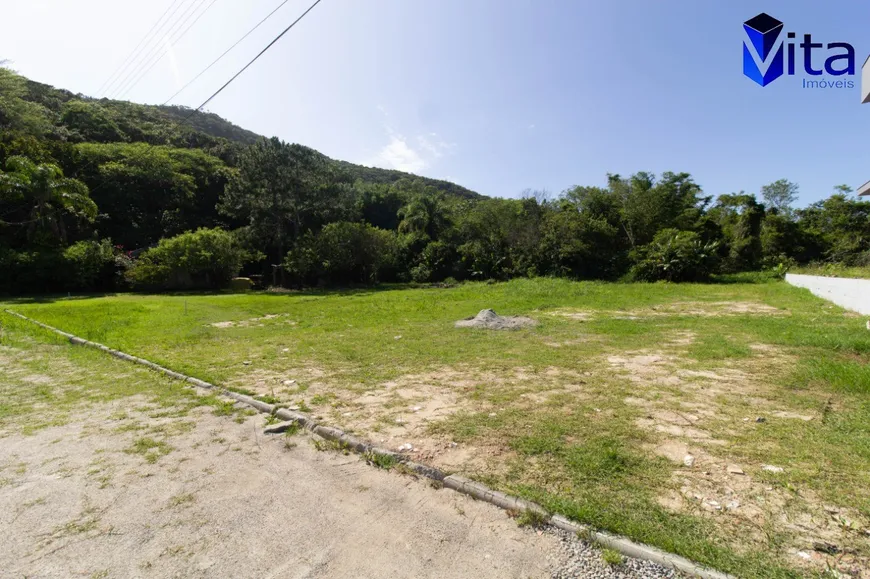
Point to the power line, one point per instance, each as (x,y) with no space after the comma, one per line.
(191,9)
(166,49)
(253,60)
(209,99)
(227,51)
(134,54)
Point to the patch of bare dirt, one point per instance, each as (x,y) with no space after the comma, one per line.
(574,315)
(646,368)
(699,309)
(684,407)
(251,322)
(286,385)
(740,499)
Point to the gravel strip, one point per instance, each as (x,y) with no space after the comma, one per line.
(579,559)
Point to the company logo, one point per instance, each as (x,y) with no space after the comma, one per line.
(768,54)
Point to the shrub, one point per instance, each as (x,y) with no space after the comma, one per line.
(91,265)
(343,252)
(201,259)
(676,255)
(32,271)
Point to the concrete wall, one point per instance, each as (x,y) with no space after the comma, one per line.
(852,294)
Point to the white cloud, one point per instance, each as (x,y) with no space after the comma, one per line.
(411,155)
(434,146)
(398,155)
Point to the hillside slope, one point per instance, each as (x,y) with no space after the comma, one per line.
(80,118)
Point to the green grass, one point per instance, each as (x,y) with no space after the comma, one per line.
(832,270)
(149,448)
(612,558)
(384,461)
(530,518)
(548,399)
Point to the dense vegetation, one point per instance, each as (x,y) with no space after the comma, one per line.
(107,195)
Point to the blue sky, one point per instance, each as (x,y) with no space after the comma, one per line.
(497,95)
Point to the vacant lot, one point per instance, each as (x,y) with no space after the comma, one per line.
(729,423)
(110,471)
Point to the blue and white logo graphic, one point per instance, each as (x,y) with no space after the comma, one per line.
(763,49)
(769,53)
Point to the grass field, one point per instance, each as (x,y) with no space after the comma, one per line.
(592,413)
(833,270)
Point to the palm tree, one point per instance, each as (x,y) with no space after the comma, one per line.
(422,214)
(47,194)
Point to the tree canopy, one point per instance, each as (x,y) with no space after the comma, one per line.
(103,194)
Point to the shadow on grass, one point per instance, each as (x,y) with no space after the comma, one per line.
(749,277)
(276,292)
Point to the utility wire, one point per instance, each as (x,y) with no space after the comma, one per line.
(167,48)
(192,8)
(209,99)
(132,56)
(227,51)
(253,60)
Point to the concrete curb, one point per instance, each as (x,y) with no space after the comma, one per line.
(454,482)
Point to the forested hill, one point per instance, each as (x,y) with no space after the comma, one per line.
(105,120)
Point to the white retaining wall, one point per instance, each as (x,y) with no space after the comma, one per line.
(852,294)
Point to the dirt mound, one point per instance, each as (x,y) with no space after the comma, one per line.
(490,320)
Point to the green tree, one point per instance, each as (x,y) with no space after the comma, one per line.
(842,227)
(17,113)
(49,199)
(740,218)
(780,195)
(281,191)
(149,192)
(578,244)
(424,213)
(676,256)
(343,252)
(91,122)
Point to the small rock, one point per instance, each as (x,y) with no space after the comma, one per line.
(712,505)
(279,428)
(761,419)
(417,409)
(397,337)
(771,468)
(289,382)
(399,421)
(285,349)
(453,445)
(804,555)
(406,447)
(825,547)
(732,505)
(294,408)
(734,469)
(491,414)
(831,509)
(347,414)
(247,362)
(689,460)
